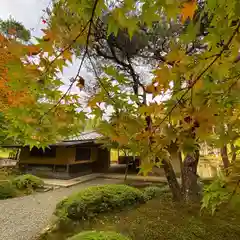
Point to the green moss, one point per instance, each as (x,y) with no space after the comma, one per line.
(160,218)
(152,192)
(7,190)
(94,200)
(94,235)
(27,181)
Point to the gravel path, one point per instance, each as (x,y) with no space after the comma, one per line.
(24,218)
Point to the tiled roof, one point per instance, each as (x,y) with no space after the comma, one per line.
(85,136)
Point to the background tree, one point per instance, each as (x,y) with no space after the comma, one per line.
(13,29)
(28,91)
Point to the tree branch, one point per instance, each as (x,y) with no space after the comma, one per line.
(80,65)
(225,47)
(127,66)
(99,79)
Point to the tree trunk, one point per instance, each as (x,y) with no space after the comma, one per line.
(181,168)
(176,159)
(224,156)
(234,155)
(191,189)
(172,180)
(126,170)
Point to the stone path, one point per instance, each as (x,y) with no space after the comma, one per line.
(24,218)
(71,182)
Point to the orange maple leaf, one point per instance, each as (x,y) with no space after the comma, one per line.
(188,10)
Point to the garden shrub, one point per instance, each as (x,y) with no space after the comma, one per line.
(7,190)
(28,181)
(94,200)
(94,235)
(152,192)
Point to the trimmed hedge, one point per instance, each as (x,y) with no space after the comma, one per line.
(28,181)
(94,200)
(93,235)
(152,192)
(7,190)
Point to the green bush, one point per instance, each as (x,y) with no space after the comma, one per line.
(94,200)
(152,192)
(93,235)
(7,190)
(27,181)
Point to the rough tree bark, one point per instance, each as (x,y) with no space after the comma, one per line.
(172,181)
(170,173)
(224,155)
(171,178)
(234,154)
(190,187)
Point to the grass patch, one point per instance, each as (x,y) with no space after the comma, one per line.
(4,153)
(160,219)
(88,235)
(8,173)
(7,190)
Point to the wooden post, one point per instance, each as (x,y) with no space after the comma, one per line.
(126,170)
(118,156)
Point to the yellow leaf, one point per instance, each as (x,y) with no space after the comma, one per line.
(198,85)
(92,102)
(162,77)
(175,56)
(121,139)
(150,88)
(145,168)
(33,50)
(152,108)
(188,10)
(142,135)
(67,55)
(48,35)
(59,63)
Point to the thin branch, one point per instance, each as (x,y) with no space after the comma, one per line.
(230,78)
(99,79)
(66,48)
(158,56)
(225,47)
(116,58)
(233,192)
(104,55)
(127,66)
(230,88)
(80,66)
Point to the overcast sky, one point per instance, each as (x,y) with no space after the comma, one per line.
(30,13)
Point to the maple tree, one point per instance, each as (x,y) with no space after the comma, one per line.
(185,76)
(197,75)
(28,92)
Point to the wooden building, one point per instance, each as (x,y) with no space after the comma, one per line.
(66,159)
